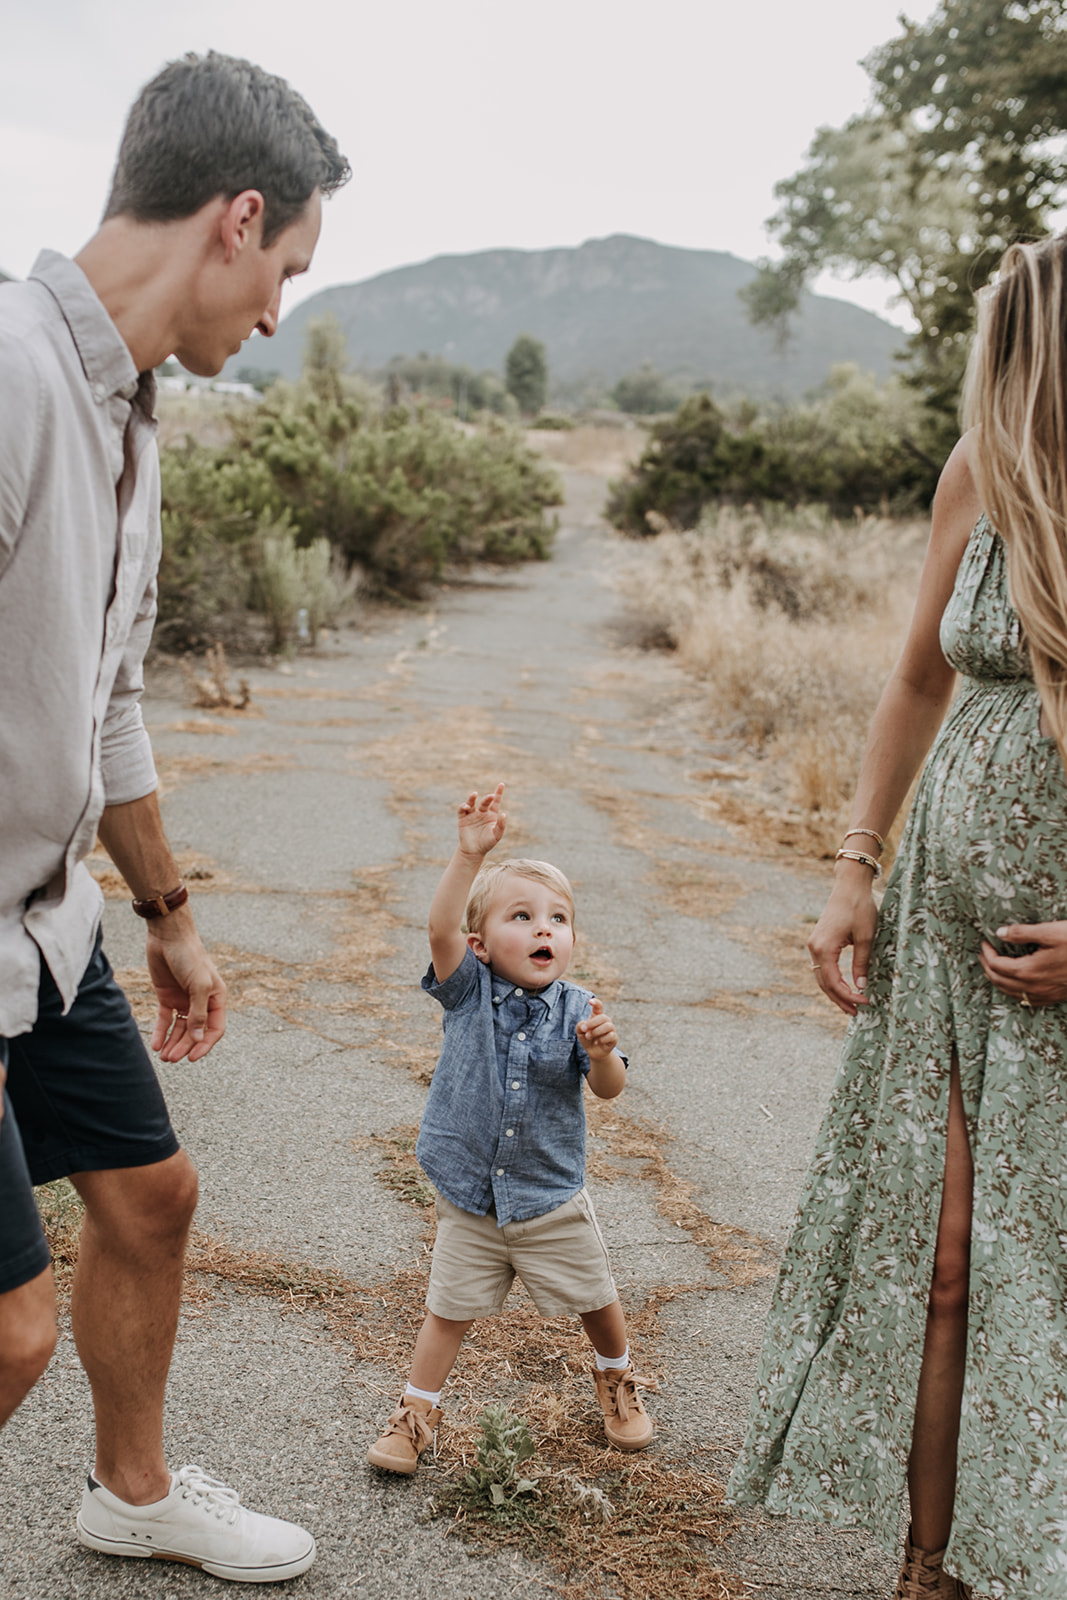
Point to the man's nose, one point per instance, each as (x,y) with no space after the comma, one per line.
(268,322)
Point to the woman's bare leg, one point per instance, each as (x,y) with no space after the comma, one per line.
(932,1463)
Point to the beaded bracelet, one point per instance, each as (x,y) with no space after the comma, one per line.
(860,855)
(870,833)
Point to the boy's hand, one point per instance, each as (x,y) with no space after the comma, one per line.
(597,1033)
(481,823)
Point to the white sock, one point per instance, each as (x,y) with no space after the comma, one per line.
(612,1363)
(423,1394)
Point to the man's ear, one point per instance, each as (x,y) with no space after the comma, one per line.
(475,942)
(242,222)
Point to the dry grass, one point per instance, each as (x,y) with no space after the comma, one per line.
(205,417)
(664,1523)
(210,690)
(607,450)
(794,629)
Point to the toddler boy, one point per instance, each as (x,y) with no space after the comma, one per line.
(503,1134)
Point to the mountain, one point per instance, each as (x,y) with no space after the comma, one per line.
(601,310)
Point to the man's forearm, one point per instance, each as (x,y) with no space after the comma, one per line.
(133,836)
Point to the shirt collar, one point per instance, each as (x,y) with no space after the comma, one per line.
(108,365)
(503,989)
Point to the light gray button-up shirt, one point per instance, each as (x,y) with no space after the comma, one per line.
(79,547)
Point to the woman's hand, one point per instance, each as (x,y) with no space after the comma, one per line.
(850,918)
(1039,979)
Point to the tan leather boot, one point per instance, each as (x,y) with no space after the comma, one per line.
(407,1434)
(922,1577)
(626,1422)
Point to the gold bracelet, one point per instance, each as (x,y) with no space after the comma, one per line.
(871,834)
(860,855)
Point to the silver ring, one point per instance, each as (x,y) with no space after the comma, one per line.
(1025,1000)
(183,1016)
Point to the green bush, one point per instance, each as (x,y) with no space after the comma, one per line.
(645,392)
(398,494)
(859,446)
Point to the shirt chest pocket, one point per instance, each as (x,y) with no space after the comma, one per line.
(554,1062)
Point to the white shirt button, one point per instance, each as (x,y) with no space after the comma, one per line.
(516,1084)
(520,1036)
(518,991)
(500,1172)
(98,392)
(510,1132)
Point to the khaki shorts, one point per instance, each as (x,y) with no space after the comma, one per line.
(560,1257)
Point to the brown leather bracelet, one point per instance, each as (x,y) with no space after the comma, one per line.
(163,904)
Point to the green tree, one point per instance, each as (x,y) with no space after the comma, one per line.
(645,392)
(960,154)
(526,374)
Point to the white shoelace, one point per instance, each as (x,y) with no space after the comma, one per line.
(211,1493)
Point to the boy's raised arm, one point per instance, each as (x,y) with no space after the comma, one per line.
(481,827)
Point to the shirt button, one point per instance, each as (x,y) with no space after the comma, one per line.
(509,1132)
(516,1084)
(500,1172)
(520,1036)
(518,991)
(98,392)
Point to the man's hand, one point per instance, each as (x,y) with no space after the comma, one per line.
(481,823)
(192,996)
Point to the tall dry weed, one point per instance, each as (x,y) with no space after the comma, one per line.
(794,624)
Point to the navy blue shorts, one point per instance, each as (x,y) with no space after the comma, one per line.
(82,1096)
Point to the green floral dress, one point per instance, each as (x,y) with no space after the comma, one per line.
(831,1421)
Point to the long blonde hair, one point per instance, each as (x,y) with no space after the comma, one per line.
(1014,395)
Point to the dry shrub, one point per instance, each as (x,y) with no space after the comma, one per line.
(606,449)
(794,626)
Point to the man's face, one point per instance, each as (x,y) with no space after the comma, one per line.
(239,296)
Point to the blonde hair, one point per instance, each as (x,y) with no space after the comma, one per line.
(1014,395)
(489,877)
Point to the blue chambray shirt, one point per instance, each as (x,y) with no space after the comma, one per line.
(504,1123)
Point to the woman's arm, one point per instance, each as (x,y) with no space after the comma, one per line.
(903,728)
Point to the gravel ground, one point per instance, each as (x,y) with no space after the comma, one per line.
(323,822)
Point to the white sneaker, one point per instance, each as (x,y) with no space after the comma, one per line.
(200,1522)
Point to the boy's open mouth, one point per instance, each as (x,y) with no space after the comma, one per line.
(543,955)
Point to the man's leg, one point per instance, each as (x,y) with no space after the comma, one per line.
(127,1291)
(27,1338)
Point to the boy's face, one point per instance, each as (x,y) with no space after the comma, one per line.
(245,293)
(527,936)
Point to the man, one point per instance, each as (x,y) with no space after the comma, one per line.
(215,202)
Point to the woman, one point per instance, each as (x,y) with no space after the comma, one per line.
(919,1325)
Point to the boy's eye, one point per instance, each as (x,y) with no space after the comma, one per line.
(522,916)
(557,916)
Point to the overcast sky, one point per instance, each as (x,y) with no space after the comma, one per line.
(469,123)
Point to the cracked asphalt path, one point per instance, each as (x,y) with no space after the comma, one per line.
(315,829)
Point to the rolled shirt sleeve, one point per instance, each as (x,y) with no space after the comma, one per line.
(126,763)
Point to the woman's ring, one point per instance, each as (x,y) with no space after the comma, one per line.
(1025,1000)
(183,1016)
(816,966)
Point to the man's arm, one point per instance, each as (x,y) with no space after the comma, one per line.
(192,996)
(481,826)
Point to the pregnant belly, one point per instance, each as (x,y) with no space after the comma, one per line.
(992,813)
